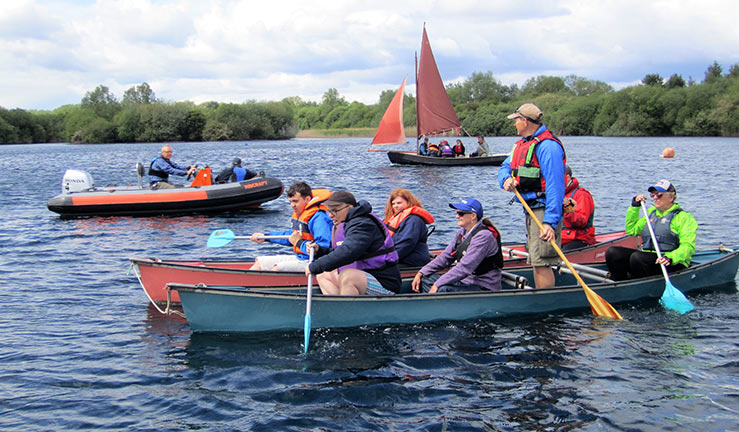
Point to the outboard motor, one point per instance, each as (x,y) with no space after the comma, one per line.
(76,181)
(140,171)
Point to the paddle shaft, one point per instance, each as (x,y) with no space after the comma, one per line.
(654,240)
(584,269)
(308,300)
(590,294)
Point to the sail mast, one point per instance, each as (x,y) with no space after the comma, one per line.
(434,111)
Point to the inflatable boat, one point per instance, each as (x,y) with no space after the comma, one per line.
(80,197)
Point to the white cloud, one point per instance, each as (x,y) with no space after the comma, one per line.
(52,52)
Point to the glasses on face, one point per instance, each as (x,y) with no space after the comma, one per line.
(656,195)
(336,210)
(461,213)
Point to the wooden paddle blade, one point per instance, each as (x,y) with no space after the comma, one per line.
(599,306)
(674,299)
(220,238)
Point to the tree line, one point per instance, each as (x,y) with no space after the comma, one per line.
(141,117)
(572,105)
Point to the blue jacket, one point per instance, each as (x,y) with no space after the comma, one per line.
(319,226)
(550,156)
(410,242)
(361,235)
(171,168)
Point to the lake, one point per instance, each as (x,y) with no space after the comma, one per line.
(82,349)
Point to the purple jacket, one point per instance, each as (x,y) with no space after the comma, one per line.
(481,246)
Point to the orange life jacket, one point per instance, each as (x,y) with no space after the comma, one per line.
(394,222)
(525,166)
(300,223)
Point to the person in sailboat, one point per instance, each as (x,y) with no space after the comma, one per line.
(459,149)
(434,150)
(310,224)
(482,148)
(234,173)
(473,257)
(163,166)
(577,220)
(406,219)
(362,257)
(536,167)
(423,148)
(674,228)
(446,149)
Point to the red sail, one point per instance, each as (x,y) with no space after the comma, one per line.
(391,129)
(434,109)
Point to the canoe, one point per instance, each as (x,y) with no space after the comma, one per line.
(144,201)
(411,158)
(154,274)
(245,309)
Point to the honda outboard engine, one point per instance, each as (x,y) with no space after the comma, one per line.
(76,181)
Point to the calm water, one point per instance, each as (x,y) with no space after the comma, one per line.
(81,349)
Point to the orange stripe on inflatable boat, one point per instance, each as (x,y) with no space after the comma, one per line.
(140,198)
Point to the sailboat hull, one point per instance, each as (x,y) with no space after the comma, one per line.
(411,158)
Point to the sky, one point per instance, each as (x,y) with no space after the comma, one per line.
(53,52)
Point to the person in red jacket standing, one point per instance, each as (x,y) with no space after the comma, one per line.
(578,211)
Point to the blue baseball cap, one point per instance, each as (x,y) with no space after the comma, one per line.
(470,205)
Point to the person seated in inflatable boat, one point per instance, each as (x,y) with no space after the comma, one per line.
(234,173)
(162,166)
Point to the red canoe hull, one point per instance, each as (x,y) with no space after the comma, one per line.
(154,275)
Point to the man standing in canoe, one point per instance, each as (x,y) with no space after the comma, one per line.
(310,223)
(161,168)
(536,167)
(362,258)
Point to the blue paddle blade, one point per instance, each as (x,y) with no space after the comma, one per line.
(306,329)
(220,238)
(673,299)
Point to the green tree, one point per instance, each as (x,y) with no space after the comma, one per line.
(544,84)
(713,73)
(653,79)
(141,94)
(585,87)
(102,102)
(675,81)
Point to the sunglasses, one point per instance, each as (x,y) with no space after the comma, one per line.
(336,210)
(462,213)
(656,195)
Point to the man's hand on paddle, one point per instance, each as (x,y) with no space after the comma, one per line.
(510,184)
(257,237)
(547,234)
(295,237)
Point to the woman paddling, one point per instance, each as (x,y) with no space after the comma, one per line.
(674,228)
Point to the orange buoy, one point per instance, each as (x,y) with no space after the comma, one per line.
(668,153)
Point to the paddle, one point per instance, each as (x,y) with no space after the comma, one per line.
(309,297)
(591,272)
(222,237)
(672,298)
(599,306)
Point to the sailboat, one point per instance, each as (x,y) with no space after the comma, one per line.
(434,113)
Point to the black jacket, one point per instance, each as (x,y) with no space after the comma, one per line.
(361,235)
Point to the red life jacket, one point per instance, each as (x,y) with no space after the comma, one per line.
(585,234)
(525,166)
(394,222)
(300,223)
